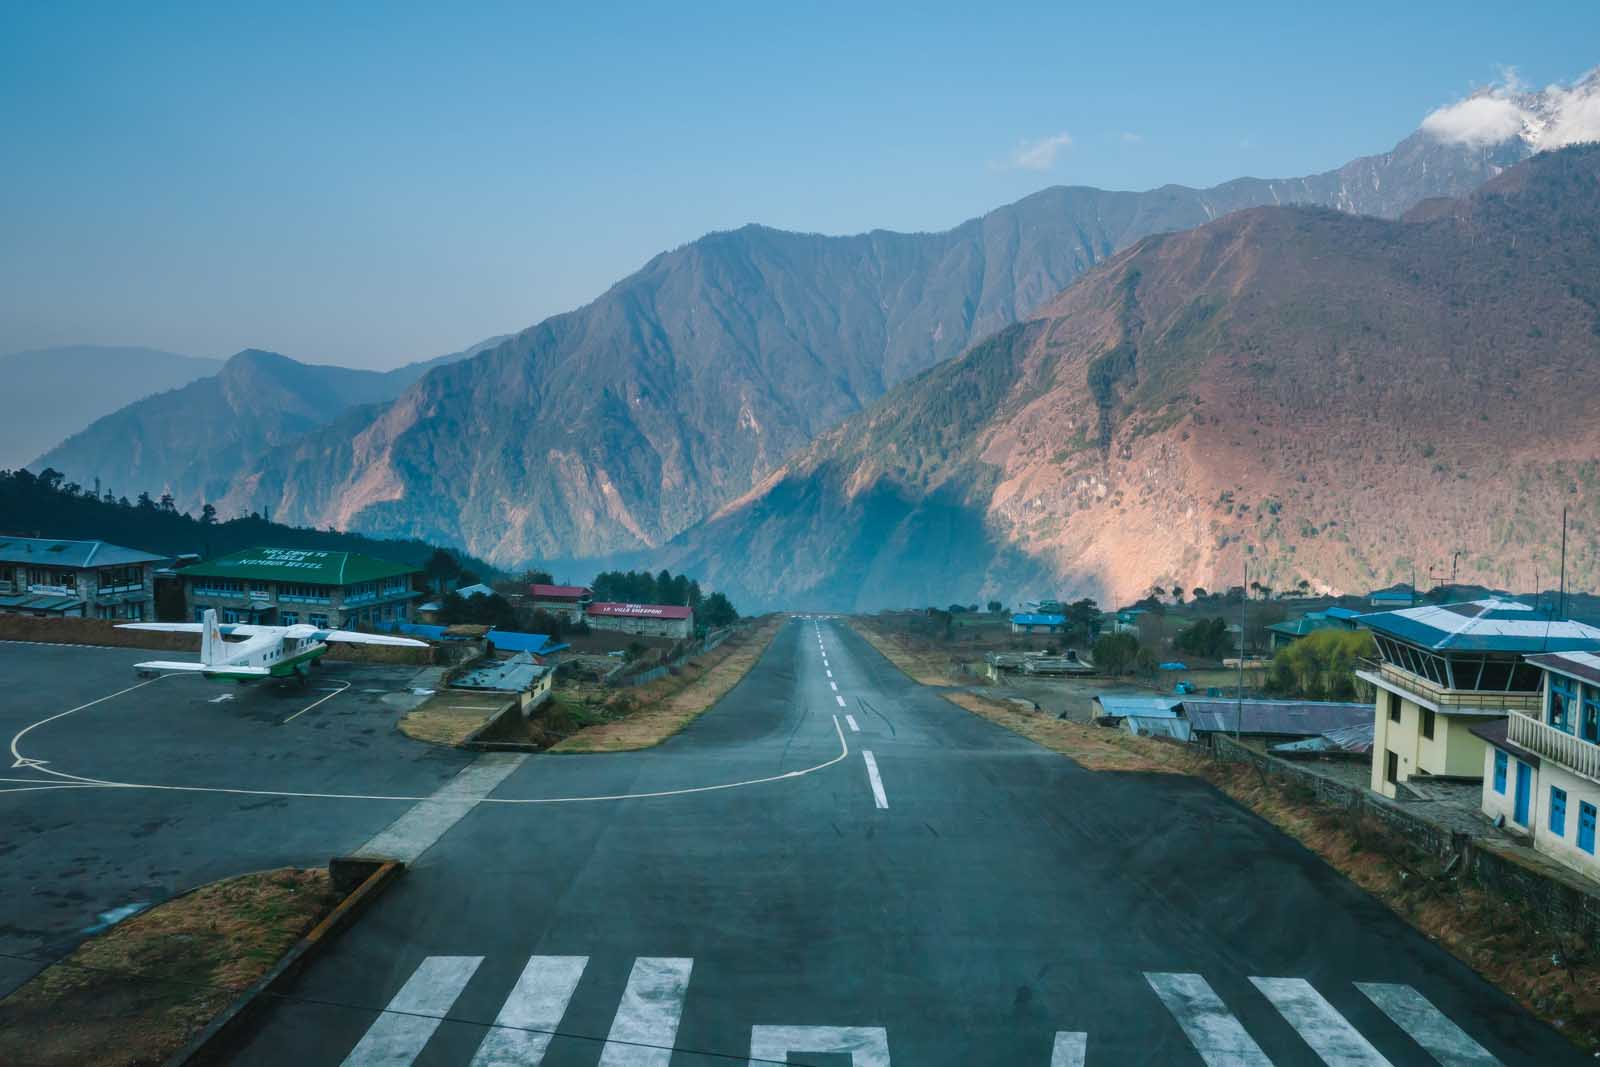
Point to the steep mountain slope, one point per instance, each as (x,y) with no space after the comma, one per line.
(193,440)
(619,425)
(1330,398)
(52,392)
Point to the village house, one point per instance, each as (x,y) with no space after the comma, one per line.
(82,579)
(1444,669)
(1041,622)
(647,620)
(286,586)
(563,601)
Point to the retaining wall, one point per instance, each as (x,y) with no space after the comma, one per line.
(1569,902)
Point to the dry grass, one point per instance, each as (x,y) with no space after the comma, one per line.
(134,994)
(449,717)
(649,714)
(1095,747)
(915,658)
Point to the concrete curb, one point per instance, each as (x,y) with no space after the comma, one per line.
(221,1036)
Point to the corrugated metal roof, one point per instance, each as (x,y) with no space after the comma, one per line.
(478,589)
(558,592)
(1038,619)
(1491,625)
(1582,665)
(512,641)
(39,602)
(308,565)
(1149,707)
(415,629)
(1345,614)
(46,551)
(508,676)
(1302,717)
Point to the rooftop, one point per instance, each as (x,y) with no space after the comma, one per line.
(1491,625)
(558,592)
(1038,619)
(1306,718)
(1585,666)
(645,611)
(513,675)
(1139,706)
(52,552)
(309,566)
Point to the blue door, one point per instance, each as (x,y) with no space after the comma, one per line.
(1524,787)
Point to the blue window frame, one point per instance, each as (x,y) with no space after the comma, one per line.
(1562,700)
(1589,729)
(1558,811)
(1500,772)
(1586,814)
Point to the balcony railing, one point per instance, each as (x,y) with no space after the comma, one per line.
(1574,753)
(1466,701)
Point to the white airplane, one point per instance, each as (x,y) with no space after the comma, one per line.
(265,652)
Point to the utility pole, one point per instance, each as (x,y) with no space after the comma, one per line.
(1561,604)
(1244,614)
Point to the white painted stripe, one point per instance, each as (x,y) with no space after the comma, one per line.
(835,686)
(878,794)
(398,1035)
(532,1013)
(868,1046)
(851,719)
(830,674)
(1427,1025)
(646,1025)
(1211,1028)
(1069,1049)
(413,833)
(839,698)
(1329,1034)
(324,700)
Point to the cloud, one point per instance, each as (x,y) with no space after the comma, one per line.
(1132,138)
(1040,154)
(1552,118)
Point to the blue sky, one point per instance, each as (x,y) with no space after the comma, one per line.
(374,184)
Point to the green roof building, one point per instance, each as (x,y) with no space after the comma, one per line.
(285,586)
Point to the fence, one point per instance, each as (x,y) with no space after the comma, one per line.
(1567,901)
(621,678)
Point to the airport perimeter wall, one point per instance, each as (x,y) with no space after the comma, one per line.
(1566,900)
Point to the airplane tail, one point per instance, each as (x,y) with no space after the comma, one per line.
(212,648)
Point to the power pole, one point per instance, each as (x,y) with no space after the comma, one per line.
(1244,614)
(1561,604)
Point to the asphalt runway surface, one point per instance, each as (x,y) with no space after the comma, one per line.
(832,866)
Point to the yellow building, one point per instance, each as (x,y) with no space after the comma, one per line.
(1444,669)
(1541,771)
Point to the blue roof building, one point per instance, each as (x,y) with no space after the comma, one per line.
(1028,622)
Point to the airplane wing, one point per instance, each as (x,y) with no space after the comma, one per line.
(355,637)
(190,665)
(231,629)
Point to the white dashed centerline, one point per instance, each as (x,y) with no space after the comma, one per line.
(878,794)
(839,698)
(834,686)
(851,719)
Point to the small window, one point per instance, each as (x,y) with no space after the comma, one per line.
(1394,708)
(1427,723)
(1558,811)
(1586,815)
(1391,768)
(1500,772)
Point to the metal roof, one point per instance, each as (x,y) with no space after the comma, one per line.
(512,641)
(1139,707)
(34,602)
(1310,622)
(478,589)
(558,592)
(1394,592)
(1585,666)
(1037,619)
(55,552)
(507,676)
(645,611)
(306,565)
(1305,718)
(1345,614)
(1356,739)
(1491,625)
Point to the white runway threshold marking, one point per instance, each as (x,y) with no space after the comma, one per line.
(868,1046)
(878,795)
(1211,1028)
(646,1025)
(1329,1034)
(1070,1049)
(531,1015)
(398,1035)
(1413,1013)
(413,833)
(851,719)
